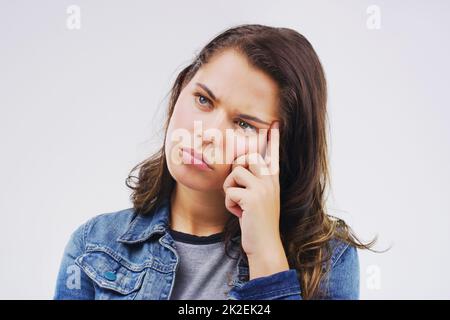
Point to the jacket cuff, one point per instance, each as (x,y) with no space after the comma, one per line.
(283,285)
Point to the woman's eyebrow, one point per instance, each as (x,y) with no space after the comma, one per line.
(210,93)
(243,116)
(252,118)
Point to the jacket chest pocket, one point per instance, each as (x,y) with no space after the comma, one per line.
(115,278)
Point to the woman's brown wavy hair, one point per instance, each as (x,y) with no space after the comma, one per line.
(305,227)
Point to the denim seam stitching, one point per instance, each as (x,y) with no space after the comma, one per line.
(339,255)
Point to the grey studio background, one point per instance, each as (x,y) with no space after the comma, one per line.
(81,106)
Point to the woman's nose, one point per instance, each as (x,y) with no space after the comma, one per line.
(214,129)
(215,133)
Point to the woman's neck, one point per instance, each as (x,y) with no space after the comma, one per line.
(197,212)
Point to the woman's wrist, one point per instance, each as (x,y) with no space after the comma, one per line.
(270,261)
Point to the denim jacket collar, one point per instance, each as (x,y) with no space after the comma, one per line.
(142,227)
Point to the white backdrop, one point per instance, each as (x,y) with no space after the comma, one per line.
(80,107)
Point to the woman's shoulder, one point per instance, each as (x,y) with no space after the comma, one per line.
(343,273)
(114,221)
(104,228)
(340,247)
(341,251)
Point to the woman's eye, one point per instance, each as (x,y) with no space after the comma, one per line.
(202,100)
(244,125)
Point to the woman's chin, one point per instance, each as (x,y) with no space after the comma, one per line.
(194,178)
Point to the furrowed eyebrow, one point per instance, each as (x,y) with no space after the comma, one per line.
(210,93)
(252,118)
(243,116)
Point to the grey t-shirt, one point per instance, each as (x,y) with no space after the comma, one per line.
(204,271)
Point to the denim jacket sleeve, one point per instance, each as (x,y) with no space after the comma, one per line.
(283,285)
(72,282)
(342,282)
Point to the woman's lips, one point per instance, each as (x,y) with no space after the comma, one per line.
(191,156)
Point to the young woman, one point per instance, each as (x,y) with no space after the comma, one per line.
(213,217)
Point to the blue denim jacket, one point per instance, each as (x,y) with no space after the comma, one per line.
(122,255)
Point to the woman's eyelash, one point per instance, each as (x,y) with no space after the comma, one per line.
(198,95)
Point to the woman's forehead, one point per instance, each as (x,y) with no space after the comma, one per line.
(237,84)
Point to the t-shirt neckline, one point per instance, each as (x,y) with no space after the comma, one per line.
(194,239)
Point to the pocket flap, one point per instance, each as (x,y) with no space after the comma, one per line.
(108,272)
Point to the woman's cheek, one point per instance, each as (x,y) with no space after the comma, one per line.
(248,144)
(183,116)
(184,121)
(178,132)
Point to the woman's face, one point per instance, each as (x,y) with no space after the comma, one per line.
(222,113)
